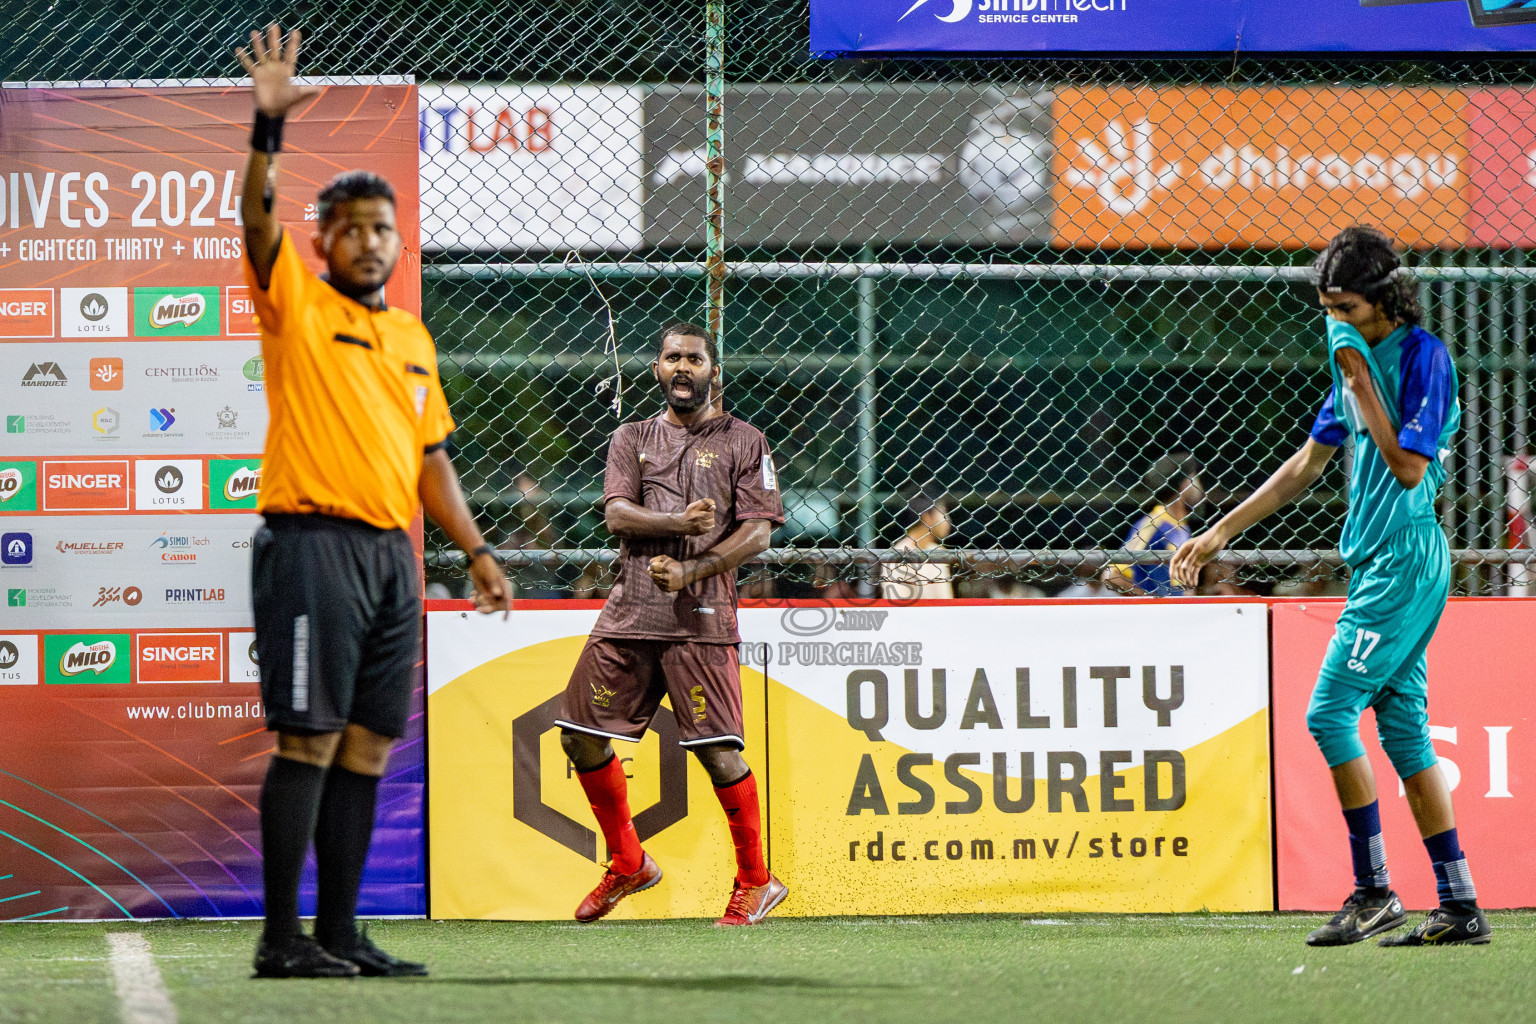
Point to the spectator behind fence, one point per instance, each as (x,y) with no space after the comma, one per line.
(1174,482)
(920,581)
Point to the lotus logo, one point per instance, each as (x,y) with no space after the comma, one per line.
(242,483)
(10,483)
(168,480)
(960,10)
(178,309)
(9,654)
(98,657)
(94,307)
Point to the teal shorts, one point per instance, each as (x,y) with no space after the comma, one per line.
(1376,658)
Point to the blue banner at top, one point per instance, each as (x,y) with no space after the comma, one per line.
(1021,27)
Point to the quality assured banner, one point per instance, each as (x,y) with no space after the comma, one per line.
(1022,27)
(932,759)
(1482,719)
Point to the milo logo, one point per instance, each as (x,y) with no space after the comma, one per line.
(10,483)
(97,657)
(177,309)
(242,483)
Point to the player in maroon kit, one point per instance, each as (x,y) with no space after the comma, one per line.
(691,494)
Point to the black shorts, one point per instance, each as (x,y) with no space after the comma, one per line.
(338,623)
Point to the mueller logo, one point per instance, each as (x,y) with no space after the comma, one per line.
(97,658)
(44,375)
(180,657)
(528,804)
(85,486)
(242,483)
(88,547)
(94,307)
(178,309)
(194,595)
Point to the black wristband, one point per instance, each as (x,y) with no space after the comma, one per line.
(267,134)
(483,549)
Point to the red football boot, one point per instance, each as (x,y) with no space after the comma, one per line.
(615,887)
(751,903)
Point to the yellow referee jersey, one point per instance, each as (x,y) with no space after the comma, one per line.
(353,395)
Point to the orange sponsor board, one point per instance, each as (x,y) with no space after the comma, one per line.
(239,312)
(179,657)
(26,312)
(1269,168)
(80,486)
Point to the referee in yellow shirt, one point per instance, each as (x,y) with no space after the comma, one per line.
(355,445)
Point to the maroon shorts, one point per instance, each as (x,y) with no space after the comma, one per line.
(617,686)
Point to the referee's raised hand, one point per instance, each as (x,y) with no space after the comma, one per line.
(270,62)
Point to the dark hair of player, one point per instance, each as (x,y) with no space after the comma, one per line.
(1165,480)
(685,329)
(1361,259)
(351,185)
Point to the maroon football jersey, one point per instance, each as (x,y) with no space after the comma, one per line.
(666,467)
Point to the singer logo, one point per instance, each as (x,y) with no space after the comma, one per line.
(180,657)
(85,486)
(26,312)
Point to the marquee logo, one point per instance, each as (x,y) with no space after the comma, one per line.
(528,804)
(44,375)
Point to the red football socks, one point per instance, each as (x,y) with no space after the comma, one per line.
(608,794)
(741,810)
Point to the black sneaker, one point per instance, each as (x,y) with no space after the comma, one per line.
(1362,916)
(1446,928)
(300,957)
(373,962)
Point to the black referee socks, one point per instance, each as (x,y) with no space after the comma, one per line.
(290,802)
(342,836)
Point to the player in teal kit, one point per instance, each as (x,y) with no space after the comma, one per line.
(1394,396)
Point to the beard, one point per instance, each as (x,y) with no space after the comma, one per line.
(692,399)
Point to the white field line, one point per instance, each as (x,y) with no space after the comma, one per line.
(141,994)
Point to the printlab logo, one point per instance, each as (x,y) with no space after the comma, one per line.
(44,375)
(528,804)
(16,549)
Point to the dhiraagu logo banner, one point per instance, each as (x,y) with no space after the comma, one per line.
(1007,758)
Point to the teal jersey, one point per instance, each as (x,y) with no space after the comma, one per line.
(1417,384)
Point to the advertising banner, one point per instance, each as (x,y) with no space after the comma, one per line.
(1482,718)
(936,759)
(1023,27)
(859,163)
(132,387)
(543,167)
(1005,758)
(1264,168)
(512,837)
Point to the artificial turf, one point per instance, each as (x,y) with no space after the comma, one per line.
(1237,969)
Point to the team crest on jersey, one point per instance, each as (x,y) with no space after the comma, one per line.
(601,695)
(706,459)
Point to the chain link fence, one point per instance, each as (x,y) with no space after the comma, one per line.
(1007,288)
